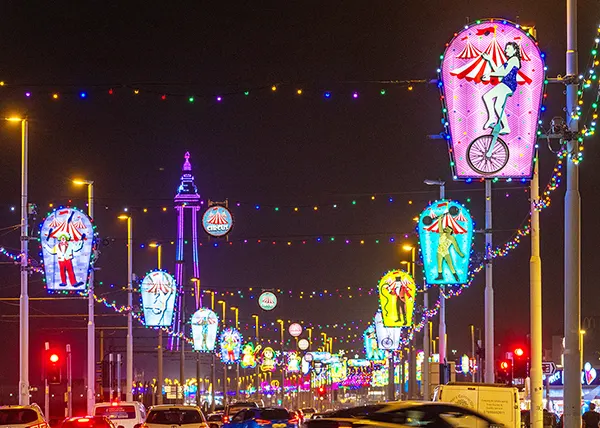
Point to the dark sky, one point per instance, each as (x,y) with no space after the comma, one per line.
(271,149)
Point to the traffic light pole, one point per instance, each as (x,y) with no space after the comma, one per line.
(46,385)
(69,383)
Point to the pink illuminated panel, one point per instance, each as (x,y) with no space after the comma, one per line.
(492,79)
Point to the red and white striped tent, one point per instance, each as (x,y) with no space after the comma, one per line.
(470,51)
(216,217)
(446,220)
(66,226)
(475,69)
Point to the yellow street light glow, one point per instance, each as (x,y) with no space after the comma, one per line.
(80,182)
(155,245)
(403,262)
(14,119)
(123,217)
(407,247)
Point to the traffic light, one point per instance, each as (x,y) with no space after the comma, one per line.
(505,372)
(520,363)
(53,366)
(321,391)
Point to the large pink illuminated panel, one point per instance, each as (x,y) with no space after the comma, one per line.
(512,102)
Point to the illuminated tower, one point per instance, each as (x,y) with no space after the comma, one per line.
(186,199)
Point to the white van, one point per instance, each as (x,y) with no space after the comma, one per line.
(499,402)
(124,414)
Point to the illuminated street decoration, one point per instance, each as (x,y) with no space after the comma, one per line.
(268,360)
(249,355)
(492,78)
(446,235)
(67,240)
(292,362)
(267,301)
(217,221)
(388,338)
(231,345)
(465,364)
(188,200)
(159,291)
(397,298)
(205,325)
(589,373)
(372,351)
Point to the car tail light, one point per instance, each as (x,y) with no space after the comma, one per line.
(225,419)
(262,422)
(83,420)
(293,420)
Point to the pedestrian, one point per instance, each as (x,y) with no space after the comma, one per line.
(591,418)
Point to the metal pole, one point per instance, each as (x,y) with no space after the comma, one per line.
(426,351)
(129,385)
(24,298)
(473,352)
(46,387)
(118,370)
(572,251)
(182,348)
(69,383)
(213,382)
(110,377)
(160,349)
(535,283)
(91,334)
(160,376)
(489,290)
(391,392)
(442,327)
(198,396)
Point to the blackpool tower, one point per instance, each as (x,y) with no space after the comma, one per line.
(187,199)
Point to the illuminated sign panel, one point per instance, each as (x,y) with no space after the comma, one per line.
(231,345)
(66,238)
(446,235)
(388,338)
(205,325)
(217,221)
(372,351)
(492,78)
(397,298)
(159,292)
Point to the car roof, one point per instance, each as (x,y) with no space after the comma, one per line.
(119,403)
(174,406)
(17,406)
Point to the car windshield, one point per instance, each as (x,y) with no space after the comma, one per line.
(308,410)
(214,417)
(116,412)
(86,423)
(17,416)
(273,414)
(174,416)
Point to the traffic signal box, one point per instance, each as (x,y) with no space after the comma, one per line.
(504,372)
(53,365)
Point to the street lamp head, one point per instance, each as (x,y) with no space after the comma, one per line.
(123,217)
(403,262)
(434,182)
(407,247)
(14,119)
(221,301)
(582,331)
(79,182)
(234,308)
(255,316)
(156,245)
(194,279)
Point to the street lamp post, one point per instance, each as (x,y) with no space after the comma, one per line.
(91,327)
(224,307)
(160,350)
(237,364)
(282,328)
(129,376)
(257,369)
(24,298)
(442,327)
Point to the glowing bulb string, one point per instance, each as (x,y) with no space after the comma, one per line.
(586,80)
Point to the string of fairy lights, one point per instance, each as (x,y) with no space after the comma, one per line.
(587,81)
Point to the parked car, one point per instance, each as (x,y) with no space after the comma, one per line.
(406,414)
(175,415)
(215,420)
(22,417)
(88,422)
(232,409)
(308,412)
(263,417)
(126,414)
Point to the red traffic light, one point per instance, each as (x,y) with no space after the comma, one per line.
(504,365)
(519,352)
(54,358)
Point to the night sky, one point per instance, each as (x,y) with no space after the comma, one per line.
(272,149)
